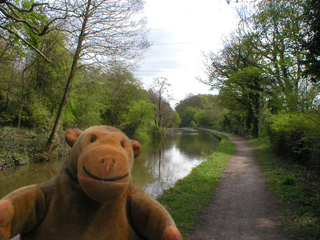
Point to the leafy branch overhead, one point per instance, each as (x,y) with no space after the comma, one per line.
(26,21)
(113,28)
(88,32)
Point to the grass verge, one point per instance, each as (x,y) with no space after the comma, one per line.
(296,189)
(191,194)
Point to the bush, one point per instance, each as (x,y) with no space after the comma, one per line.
(155,132)
(295,136)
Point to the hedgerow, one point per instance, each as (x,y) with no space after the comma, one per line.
(296,136)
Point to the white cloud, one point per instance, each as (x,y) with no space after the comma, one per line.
(180,31)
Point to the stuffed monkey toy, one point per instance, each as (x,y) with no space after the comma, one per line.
(92,197)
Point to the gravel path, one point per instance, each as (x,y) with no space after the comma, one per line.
(241,207)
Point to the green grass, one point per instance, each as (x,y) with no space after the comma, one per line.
(191,194)
(296,189)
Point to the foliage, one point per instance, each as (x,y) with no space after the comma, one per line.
(312,11)
(23,23)
(279,29)
(121,90)
(295,136)
(93,32)
(245,92)
(39,115)
(156,132)
(192,193)
(260,69)
(204,110)
(296,189)
(109,95)
(174,121)
(139,118)
(23,146)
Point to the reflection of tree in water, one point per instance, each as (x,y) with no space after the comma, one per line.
(162,163)
(143,168)
(158,167)
(194,143)
(152,169)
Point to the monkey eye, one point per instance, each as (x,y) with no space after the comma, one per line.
(93,139)
(122,144)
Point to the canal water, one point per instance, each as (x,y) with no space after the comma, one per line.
(158,167)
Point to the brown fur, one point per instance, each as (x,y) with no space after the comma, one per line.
(93,196)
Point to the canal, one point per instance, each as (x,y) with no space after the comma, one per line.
(158,167)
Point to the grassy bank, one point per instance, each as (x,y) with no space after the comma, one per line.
(192,193)
(296,189)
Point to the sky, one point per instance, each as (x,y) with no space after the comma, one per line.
(180,32)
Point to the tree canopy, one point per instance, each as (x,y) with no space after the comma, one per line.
(261,67)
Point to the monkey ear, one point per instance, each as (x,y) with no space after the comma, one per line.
(136,146)
(72,135)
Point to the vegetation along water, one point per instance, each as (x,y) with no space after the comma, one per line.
(67,66)
(157,168)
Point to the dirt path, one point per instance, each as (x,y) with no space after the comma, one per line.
(241,207)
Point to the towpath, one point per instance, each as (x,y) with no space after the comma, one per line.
(241,208)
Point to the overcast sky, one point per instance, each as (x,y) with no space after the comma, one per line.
(180,30)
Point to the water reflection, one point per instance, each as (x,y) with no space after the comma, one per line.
(161,164)
(19,176)
(157,168)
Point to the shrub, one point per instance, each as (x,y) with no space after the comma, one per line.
(295,136)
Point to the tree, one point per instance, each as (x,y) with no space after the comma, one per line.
(25,22)
(139,117)
(9,80)
(236,54)
(121,90)
(100,29)
(312,11)
(160,96)
(246,90)
(97,30)
(203,110)
(269,38)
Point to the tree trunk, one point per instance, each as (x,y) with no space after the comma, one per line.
(52,138)
(22,96)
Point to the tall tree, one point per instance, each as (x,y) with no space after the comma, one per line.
(236,54)
(271,35)
(100,29)
(312,11)
(160,96)
(278,29)
(9,79)
(121,90)
(246,92)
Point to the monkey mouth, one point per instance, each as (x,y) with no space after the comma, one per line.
(103,179)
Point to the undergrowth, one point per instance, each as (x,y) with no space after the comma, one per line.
(191,194)
(20,146)
(297,190)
